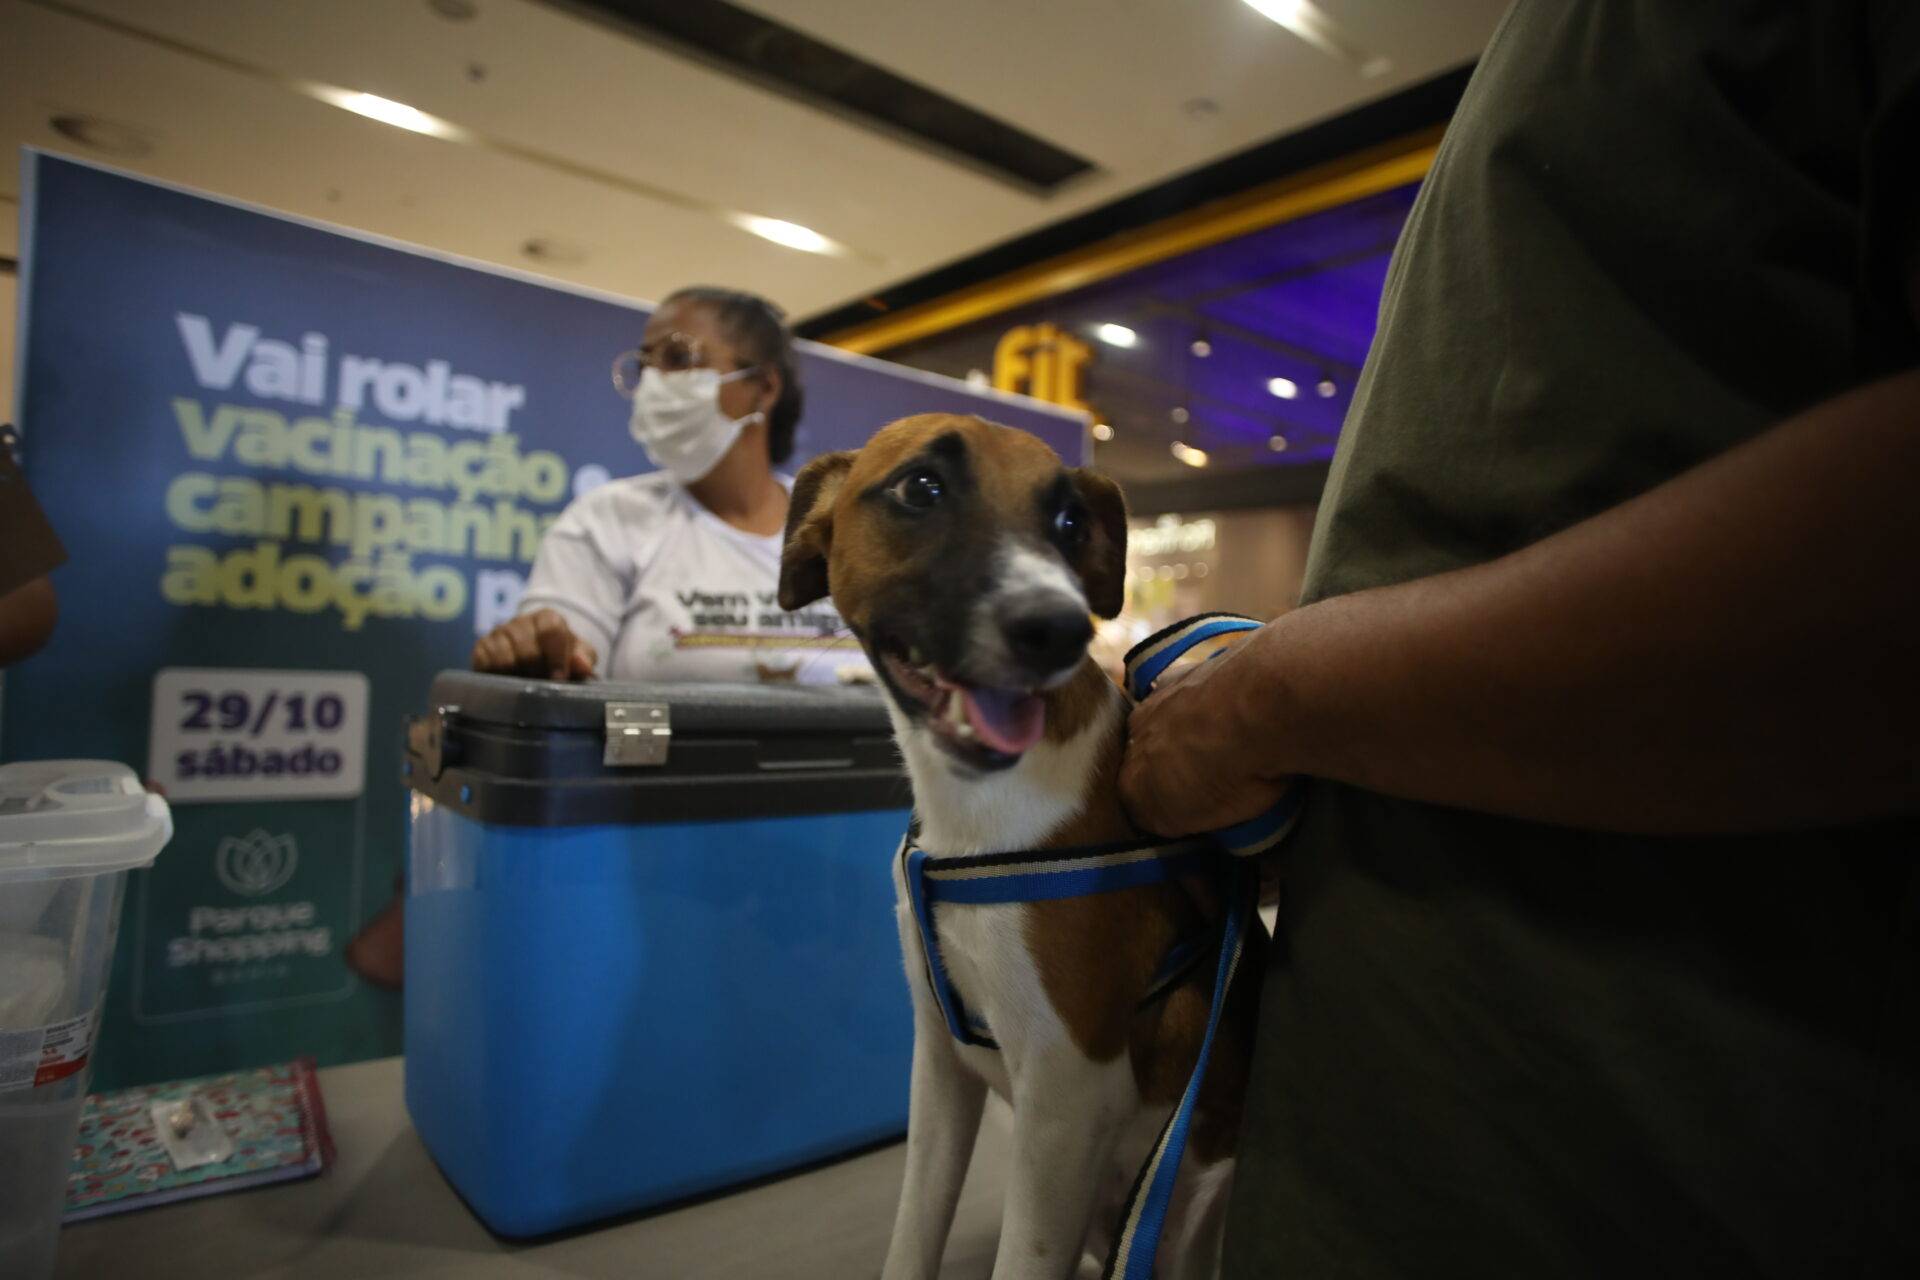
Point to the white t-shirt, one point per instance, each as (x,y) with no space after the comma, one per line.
(665,590)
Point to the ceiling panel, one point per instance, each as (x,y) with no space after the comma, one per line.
(579,121)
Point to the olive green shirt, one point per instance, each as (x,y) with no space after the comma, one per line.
(1495,1048)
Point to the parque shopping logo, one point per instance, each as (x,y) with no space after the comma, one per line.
(219,937)
(256,863)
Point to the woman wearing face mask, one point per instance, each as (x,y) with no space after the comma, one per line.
(670,575)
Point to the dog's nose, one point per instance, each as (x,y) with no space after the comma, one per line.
(1046,636)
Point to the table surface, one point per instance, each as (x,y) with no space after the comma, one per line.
(383,1209)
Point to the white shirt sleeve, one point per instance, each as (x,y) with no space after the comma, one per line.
(576,576)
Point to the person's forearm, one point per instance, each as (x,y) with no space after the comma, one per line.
(1734,650)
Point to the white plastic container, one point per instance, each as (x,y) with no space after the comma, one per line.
(70,830)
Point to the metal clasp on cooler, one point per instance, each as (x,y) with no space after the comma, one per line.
(427,739)
(638,733)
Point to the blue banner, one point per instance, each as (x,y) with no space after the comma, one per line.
(297,471)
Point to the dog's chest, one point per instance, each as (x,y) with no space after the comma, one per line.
(992,971)
(987,949)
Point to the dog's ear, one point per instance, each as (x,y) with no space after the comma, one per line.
(803,556)
(1102,562)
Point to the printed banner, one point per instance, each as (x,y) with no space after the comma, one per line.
(257,735)
(298,471)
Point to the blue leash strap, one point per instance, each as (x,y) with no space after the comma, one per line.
(1147,661)
(1146,1210)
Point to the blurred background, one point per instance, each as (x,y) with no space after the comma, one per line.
(307,315)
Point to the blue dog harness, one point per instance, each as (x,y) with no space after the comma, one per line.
(1042,875)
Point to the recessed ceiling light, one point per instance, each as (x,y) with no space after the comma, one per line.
(1285,388)
(790,234)
(1116,335)
(1101,431)
(1188,454)
(1277,443)
(104,136)
(1326,388)
(387,111)
(1179,414)
(1312,24)
(1201,347)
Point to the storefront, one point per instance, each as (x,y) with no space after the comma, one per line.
(1217,356)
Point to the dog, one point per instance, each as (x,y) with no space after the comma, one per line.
(968,559)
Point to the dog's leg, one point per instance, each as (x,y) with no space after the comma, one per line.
(1066,1115)
(943,1120)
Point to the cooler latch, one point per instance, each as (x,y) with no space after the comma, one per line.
(638,733)
(427,738)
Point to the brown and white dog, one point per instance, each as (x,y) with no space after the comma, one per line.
(967,559)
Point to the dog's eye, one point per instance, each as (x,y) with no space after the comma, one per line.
(919,489)
(1069,525)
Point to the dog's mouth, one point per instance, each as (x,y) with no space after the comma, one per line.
(986,727)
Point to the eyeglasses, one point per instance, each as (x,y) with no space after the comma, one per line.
(669,353)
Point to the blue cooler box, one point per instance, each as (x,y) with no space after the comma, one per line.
(650,941)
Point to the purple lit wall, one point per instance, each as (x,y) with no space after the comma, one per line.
(1213,329)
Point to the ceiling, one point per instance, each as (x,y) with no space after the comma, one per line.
(624,157)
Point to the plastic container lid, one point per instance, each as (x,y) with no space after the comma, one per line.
(61,818)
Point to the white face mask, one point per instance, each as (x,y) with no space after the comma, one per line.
(677,420)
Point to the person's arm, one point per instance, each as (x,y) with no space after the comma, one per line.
(27,615)
(1732,651)
(1737,649)
(29,551)
(569,614)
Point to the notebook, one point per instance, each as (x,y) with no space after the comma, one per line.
(274,1115)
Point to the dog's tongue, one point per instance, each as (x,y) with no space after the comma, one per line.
(1006,721)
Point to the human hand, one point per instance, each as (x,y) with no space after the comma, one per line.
(1196,757)
(536,644)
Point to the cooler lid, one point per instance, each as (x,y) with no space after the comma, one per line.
(63,818)
(696,708)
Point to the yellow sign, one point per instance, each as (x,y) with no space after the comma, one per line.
(1041,361)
